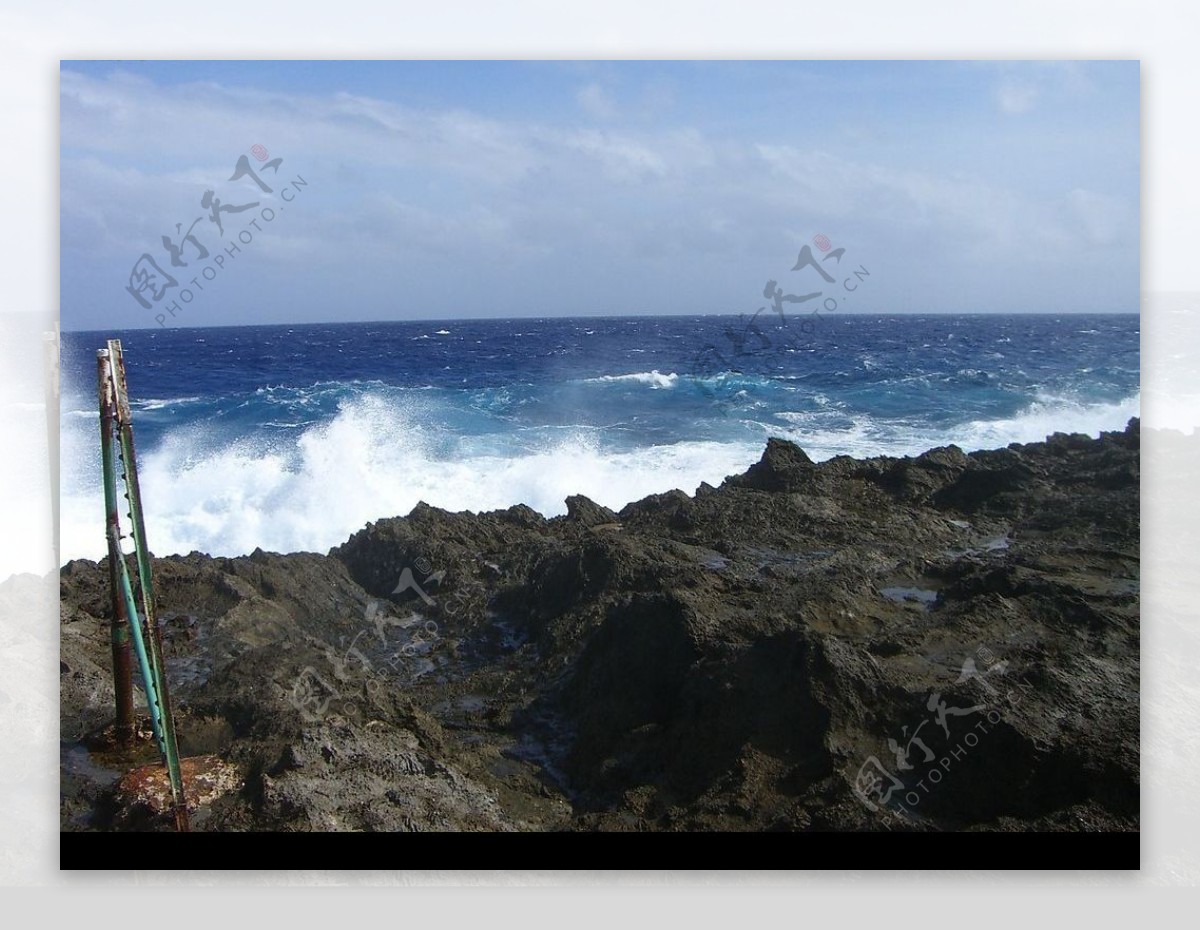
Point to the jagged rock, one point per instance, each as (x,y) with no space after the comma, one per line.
(588,513)
(742,659)
(784,466)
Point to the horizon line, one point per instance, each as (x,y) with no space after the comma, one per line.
(614,316)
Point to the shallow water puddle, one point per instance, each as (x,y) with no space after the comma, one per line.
(993,545)
(924,596)
(79,761)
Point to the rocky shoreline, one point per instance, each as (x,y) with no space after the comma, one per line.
(946,642)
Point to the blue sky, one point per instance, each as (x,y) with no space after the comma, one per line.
(476,189)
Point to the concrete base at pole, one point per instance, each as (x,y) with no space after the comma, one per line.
(145,791)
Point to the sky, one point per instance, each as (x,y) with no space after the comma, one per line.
(356,190)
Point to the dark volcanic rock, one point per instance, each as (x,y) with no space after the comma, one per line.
(588,513)
(797,649)
(783,467)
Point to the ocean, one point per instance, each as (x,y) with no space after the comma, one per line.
(291,438)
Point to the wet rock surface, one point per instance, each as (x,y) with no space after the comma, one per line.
(945,642)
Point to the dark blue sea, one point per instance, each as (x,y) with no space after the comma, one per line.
(293,437)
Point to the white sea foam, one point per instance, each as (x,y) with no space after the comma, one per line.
(371,461)
(1050,415)
(655,379)
(310,489)
(864,436)
(155,403)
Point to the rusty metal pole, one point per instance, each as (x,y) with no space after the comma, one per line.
(122,660)
(149,617)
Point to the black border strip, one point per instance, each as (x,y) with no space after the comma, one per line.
(926,851)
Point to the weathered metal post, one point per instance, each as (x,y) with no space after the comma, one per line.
(144,628)
(122,661)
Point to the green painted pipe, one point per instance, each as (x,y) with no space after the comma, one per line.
(169,744)
(139,646)
(120,572)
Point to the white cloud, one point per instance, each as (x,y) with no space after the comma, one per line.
(1016,96)
(436,201)
(620,158)
(597,102)
(975,218)
(1024,86)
